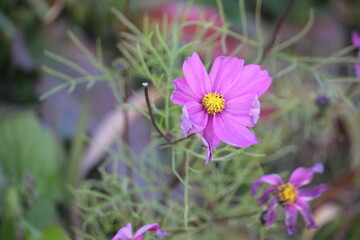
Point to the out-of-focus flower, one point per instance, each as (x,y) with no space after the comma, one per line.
(180,13)
(222,104)
(125,233)
(293,198)
(356,42)
(322,101)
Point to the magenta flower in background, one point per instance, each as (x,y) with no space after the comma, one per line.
(125,233)
(222,104)
(356,42)
(290,196)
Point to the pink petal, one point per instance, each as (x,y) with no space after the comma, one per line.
(291,218)
(224,71)
(124,233)
(209,139)
(150,227)
(160,233)
(266,194)
(304,208)
(196,75)
(245,109)
(302,176)
(308,194)
(270,215)
(355,37)
(182,93)
(194,118)
(272,179)
(253,80)
(229,130)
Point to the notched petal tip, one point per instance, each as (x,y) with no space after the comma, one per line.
(160,233)
(318,168)
(196,75)
(303,176)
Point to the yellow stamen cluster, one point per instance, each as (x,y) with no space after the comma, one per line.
(287,193)
(213,103)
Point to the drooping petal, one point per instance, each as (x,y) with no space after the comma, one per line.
(193,119)
(231,131)
(265,195)
(224,71)
(272,179)
(253,80)
(125,233)
(308,194)
(270,215)
(302,176)
(182,93)
(304,208)
(291,215)
(150,227)
(245,109)
(196,75)
(209,139)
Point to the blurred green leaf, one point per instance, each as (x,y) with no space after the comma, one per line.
(12,202)
(29,169)
(54,232)
(41,212)
(8,229)
(7,26)
(28,147)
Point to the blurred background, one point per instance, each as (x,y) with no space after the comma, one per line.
(43,151)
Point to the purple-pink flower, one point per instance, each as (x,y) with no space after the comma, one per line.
(220,104)
(125,233)
(293,198)
(356,42)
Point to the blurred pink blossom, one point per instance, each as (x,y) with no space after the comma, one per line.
(356,42)
(289,194)
(179,12)
(125,233)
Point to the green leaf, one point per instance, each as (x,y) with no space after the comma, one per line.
(54,232)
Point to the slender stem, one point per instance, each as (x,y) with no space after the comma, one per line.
(128,170)
(186,193)
(176,141)
(152,118)
(277,29)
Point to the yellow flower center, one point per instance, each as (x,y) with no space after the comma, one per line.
(287,193)
(213,103)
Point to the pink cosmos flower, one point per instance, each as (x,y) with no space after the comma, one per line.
(125,233)
(222,104)
(290,196)
(356,42)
